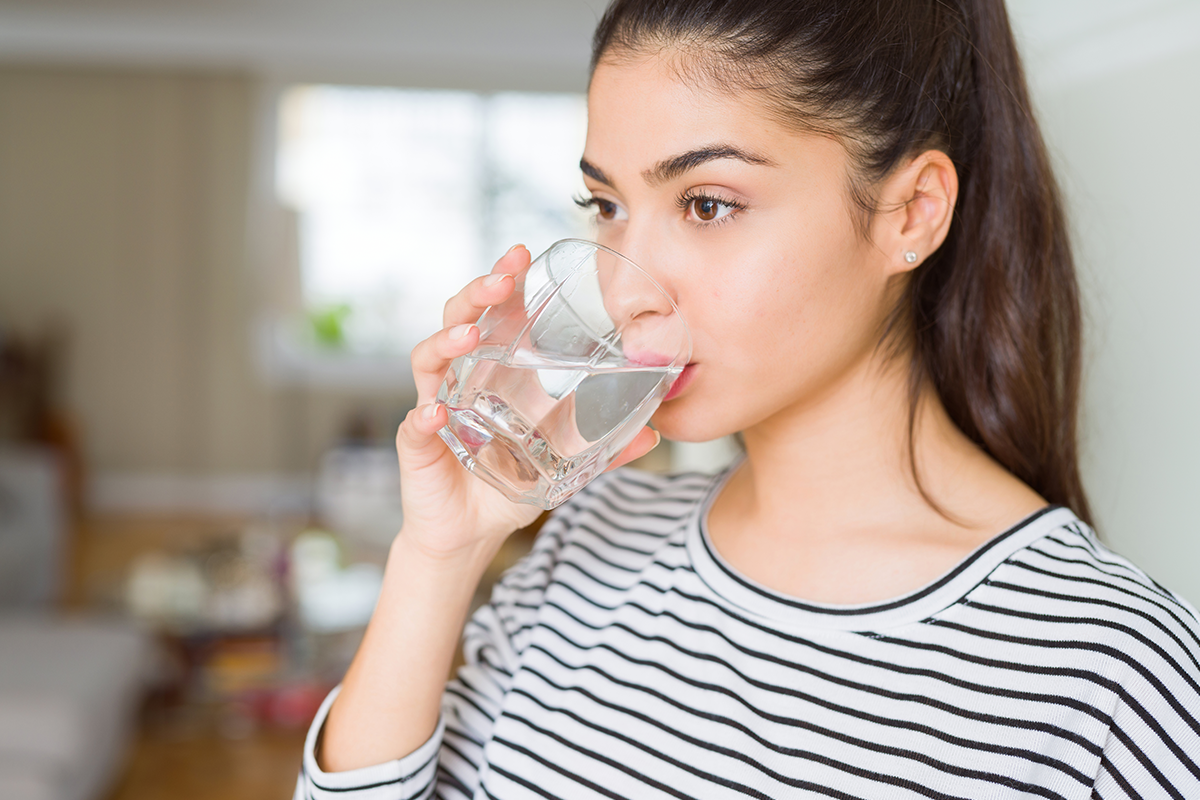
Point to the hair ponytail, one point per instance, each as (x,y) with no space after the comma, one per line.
(997,322)
(994,314)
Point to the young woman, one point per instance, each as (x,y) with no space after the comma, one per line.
(895,593)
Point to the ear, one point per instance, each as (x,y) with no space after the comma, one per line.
(917,206)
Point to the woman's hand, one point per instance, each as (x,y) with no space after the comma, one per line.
(448,511)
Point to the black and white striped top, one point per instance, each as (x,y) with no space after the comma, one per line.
(623,659)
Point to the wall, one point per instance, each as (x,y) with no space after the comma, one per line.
(1125,142)
(123,213)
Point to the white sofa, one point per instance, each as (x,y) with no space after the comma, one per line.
(68,693)
(69,687)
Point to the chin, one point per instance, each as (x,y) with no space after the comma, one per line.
(684,419)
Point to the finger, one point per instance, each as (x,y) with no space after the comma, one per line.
(431,358)
(476,296)
(489,290)
(515,260)
(646,440)
(417,442)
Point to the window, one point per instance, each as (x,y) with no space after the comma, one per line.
(400,197)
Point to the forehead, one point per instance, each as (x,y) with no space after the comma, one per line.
(644,108)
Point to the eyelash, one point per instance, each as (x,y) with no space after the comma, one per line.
(683,201)
(587,202)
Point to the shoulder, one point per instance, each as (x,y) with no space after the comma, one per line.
(1073,560)
(1140,644)
(630,499)
(1070,588)
(624,517)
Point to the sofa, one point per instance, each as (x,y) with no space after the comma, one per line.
(69,685)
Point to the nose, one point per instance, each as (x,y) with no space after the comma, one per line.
(646,242)
(629,292)
(643,312)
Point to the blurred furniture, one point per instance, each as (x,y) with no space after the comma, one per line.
(358,493)
(68,687)
(32,412)
(68,693)
(32,527)
(193,741)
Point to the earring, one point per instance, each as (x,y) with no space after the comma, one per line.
(910,257)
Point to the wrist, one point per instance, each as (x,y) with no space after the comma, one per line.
(410,549)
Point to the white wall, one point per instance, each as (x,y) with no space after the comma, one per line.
(1120,107)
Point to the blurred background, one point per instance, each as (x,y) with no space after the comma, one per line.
(224,224)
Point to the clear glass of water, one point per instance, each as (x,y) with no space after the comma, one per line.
(567,371)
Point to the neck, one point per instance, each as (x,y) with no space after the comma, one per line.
(844,456)
(826,506)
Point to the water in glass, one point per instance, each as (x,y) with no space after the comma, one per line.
(539,425)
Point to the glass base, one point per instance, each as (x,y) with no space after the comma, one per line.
(505,466)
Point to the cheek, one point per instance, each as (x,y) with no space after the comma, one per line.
(813,311)
(793,285)
(778,303)
(743,326)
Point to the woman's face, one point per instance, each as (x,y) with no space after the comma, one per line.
(749,226)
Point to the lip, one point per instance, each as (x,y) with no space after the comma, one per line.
(647,358)
(681,382)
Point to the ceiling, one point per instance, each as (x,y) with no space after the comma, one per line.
(483,43)
(533,42)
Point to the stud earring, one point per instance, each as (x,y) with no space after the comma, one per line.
(910,257)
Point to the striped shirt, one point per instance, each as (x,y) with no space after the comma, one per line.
(624,659)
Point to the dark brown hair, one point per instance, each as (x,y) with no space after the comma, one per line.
(993,316)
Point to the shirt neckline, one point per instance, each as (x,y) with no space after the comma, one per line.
(915,606)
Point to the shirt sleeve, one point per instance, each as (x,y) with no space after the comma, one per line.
(451,763)
(1153,745)
(405,778)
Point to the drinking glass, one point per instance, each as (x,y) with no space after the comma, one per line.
(566,372)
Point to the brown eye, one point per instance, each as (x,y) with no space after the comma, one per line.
(702,208)
(606,210)
(706,208)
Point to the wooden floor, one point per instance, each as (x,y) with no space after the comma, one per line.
(177,759)
(181,759)
(209,767)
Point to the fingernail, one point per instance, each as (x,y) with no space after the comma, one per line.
(514,247)
(459,331)
(657,439)
(431,411)
(492,280)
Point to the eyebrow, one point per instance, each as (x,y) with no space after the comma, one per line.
(675,166)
